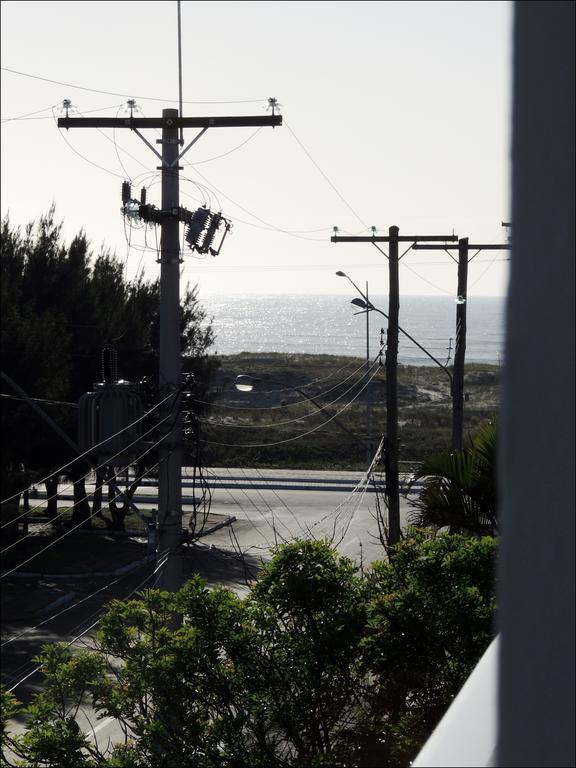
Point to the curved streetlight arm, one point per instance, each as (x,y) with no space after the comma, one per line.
(367,306)
(413,340)
(343,274)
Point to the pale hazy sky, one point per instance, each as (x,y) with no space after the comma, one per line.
(403,109)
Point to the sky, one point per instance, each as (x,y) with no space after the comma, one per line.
(394,113)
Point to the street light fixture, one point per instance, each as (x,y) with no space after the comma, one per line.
(365,304)
(245,383)
(392,415)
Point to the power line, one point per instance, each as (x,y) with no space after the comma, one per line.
(51,117)
(40,400)
(127,95)
(100,610)
(289,389)
(297,437)
(60,470)
(74,528)
(324,176)
(275,424)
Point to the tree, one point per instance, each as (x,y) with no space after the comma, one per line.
(430,618)
(317,666)
(460,487)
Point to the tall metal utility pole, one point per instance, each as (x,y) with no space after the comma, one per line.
(170,452)
(170,216)
(391,362)
(457,392)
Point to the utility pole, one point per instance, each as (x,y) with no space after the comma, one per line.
(169,217)
(368,389)
(170,451)
(457,389)
(391,362)
(460,348)
(391,467)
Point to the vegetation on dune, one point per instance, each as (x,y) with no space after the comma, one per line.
(277,424)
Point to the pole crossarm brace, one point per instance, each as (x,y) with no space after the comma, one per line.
(134,123)
(400,239)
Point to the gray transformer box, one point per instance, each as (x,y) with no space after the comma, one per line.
(110,423)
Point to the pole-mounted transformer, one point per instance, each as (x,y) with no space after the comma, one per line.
(110,417)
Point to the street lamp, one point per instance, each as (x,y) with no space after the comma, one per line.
(365,304)
(245,383)
(392,411)
(367,376)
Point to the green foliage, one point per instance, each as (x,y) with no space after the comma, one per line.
(430,618)
(460,487)
(317,666)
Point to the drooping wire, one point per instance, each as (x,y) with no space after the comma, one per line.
(61,469)
(86,159)
(48,117)
(129,95)
(67,487)
(438,288)
(361,367)
(82,522)
(307,153)
(230,151)
(303,434)
(28,114)
(160,565)
(326,406)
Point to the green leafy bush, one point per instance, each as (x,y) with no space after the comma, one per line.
(316,666)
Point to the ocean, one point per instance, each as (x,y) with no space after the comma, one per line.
(326,324)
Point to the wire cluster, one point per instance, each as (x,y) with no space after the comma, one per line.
(201,224)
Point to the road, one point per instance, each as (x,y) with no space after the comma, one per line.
(270,508)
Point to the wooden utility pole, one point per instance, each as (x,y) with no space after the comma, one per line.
(391,466)
(391,363)
(460,348)
(457,389)
(368,390)
(169,217)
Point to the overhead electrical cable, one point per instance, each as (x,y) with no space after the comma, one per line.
(275,424)
(60,470)
(230,151)
(82,522)
(438,288)
(29,114)
(361,367)
(51,117)
(160,565)
(59,491)
(296,437)
(96,165)
(129,95)
(324,175)
(267,223)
